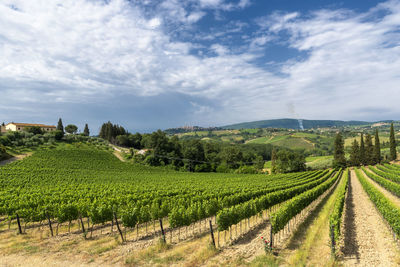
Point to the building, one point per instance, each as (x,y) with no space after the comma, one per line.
(3,128)
(14,126)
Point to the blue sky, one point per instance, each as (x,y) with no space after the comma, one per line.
(167,63)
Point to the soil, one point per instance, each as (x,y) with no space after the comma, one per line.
(367,240)
(18,157)
(394,199)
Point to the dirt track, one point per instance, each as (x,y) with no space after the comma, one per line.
(387,194)
(368,241)
(18,157)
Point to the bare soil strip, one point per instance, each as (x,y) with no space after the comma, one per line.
(387,193)
(250,245)
(368,241)
(18,157)
(311,242)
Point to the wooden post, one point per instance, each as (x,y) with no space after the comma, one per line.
(119,229)
(212,233)
(271,238)
(51,228)
(19,224)
(162,231)
(333,245)
(218,238)
(83,227)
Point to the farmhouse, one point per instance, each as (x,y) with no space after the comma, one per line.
(14,126)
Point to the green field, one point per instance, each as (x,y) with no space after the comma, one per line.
(287,141)
(79,179)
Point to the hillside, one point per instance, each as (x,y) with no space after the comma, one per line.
(295,124)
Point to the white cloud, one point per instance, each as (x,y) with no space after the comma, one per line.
(353,61)
(82,51)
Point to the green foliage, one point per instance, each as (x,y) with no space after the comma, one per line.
(339,159)
(295,205)
(292,124)
(76,180)
(71,128)
(109,131)
(288,161)
(58,135)
(335,219)
(389,211)
(355,154)
(34,130)
(275,195)
(60,126)
(390,184)
(86,131)
(369,150)
(392,142)
(377,148)
(130,217)
(363,159)
(3,152)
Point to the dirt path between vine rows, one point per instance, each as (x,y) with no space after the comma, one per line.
(18,157)
(367,240)
(387,194)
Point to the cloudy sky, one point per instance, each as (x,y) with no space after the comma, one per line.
(149,64)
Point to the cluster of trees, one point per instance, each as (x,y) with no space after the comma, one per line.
(109,131)
(285,161)
(196,155)
(71,129)
(35,136)
(365,152)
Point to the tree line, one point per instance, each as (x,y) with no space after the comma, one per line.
(195,155)
(364,152)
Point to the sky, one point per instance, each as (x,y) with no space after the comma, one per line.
(157,64)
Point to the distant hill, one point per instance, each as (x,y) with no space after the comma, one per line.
(295,124)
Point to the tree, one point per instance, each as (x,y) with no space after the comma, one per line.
(287,161)
(60,126)
(339,159)
(58,135)
(392,141)
(377,148)
(369,150)
(71,128)
(110,131)
(362,150)
(273,161)
(355,154)
(86,131)
(34,130)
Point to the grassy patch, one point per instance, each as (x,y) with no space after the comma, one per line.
(265,260)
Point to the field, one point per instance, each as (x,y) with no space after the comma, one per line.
(78,205)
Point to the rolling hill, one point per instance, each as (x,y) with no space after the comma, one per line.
(295,124)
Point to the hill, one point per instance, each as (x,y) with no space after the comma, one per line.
(295,124)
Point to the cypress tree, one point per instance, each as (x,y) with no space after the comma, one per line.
(60,126)
(339,159)
(362,150)
(392,141)
(86,130)
(377,148)
(369,150)
(355,154)
(273,161)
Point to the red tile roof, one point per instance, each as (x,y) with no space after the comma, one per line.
(32,124)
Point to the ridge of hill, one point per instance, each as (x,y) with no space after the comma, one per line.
(296,124)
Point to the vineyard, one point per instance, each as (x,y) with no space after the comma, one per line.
(79,191)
